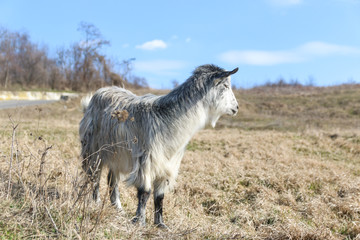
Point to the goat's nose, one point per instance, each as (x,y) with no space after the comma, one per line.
(237,107)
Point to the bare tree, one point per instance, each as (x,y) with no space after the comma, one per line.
(139,82)
(128,78)
(90,51)
(23,62)
(126,67)
(7,51)
(82,66)
(175,83)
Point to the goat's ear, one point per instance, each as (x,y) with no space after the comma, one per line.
(224,75)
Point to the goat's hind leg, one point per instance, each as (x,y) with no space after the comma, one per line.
(113,180)
(158,215)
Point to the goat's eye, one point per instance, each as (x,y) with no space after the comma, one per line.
(226,85)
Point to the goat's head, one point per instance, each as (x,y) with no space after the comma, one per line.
(221,97)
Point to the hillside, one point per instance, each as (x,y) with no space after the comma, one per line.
(298,108)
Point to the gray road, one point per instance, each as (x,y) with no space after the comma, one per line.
(22,103)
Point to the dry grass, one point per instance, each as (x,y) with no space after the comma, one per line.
(284,168)
(298,108)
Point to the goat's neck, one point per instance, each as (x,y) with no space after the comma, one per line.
(183,127)
(184,112)
(184,107)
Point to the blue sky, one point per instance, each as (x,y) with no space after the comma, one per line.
(266,39)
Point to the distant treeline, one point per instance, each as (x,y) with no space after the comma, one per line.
(79,67)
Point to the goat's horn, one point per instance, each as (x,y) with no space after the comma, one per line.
(228,73)
(224,75)
(233,71)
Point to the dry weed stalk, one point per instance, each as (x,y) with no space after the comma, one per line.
(40,195)
(42,162)
(52,220)
(14,126)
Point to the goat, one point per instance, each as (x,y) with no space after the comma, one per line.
(144,137)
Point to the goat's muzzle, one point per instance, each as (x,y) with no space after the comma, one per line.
(234,111)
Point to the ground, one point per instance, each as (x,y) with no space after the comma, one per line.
(286,167)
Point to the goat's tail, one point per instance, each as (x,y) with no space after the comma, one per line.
(85,102)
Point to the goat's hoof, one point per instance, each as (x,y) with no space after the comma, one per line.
(116,204)
(118,208)
(161,225)
(120,211)
(137,220)
(96,203)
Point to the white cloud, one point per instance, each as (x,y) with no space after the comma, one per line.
(261,58)
(187,40)
(322,48)
(285,2)
(158,66)
(152,45)
(356,2)
(301,53)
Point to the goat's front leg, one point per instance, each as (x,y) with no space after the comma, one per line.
(114,190)
(158,215)
(143,197)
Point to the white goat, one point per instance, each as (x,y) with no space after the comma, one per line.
(144,137)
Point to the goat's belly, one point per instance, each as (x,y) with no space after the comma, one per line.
(120,163)
(165,171)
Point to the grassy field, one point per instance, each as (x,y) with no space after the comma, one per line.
(286,167)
